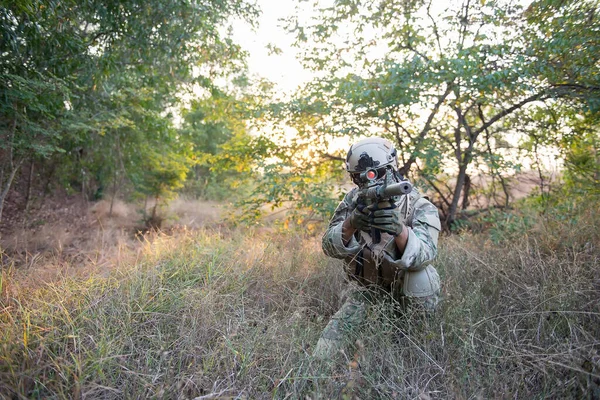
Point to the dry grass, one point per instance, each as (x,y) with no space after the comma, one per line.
(235,314)
(197,313)
(193,213)
(94,241)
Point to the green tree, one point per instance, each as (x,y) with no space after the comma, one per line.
(70,73)
(565,43)
(440,81)
(212,124)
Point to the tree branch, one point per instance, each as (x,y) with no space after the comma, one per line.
(435,187)
(495,170)
(464,22)
(399,126)
(457,138)
(426,128)
(503,113)
(332,157)
(448,142)
(417,52)
(435,28)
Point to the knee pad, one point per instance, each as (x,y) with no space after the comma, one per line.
(423,283)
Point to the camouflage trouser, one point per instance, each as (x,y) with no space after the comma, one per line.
(348,318)
(427,304)
(353,313)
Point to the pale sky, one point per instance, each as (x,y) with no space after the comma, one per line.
(284,69)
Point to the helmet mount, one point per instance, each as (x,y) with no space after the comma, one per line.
(365,162)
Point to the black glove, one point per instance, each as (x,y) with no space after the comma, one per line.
(388,220)
(359,220)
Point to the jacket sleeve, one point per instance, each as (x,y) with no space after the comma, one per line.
(332,242)
(423,232)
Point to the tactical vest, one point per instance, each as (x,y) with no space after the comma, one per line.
(368,269)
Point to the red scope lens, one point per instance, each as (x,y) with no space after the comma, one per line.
(371,174)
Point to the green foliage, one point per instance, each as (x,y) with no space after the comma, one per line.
(99,82)
(582,155)
(564,47)
(225,154)
(304,197)
(295,179)
(561,220)
(506,226)
(583,162)
(453,86)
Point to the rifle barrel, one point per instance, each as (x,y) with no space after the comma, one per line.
(396,189)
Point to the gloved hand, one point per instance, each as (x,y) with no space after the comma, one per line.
(359,220)
(388,220)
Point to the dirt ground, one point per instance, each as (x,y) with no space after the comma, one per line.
(65,235)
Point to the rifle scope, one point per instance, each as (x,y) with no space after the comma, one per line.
(369,175)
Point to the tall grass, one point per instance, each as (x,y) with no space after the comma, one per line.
(199,313)
(204,314)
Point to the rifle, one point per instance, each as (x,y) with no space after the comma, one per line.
(378,192)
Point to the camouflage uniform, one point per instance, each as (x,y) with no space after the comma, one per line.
(380,265)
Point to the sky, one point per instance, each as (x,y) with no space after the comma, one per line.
(283,69)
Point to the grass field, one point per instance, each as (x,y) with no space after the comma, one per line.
(208,313)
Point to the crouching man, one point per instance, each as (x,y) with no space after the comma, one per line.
(388,247)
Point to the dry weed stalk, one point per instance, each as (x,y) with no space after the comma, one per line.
(195,314)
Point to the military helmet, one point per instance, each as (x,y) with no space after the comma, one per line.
(371,153)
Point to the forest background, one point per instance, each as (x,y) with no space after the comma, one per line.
(106,103)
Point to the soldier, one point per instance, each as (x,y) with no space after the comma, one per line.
(398,261)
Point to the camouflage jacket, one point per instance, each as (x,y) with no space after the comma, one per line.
(382,263)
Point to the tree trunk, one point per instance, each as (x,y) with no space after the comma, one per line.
(116,176)
(84,198)
(154,208)
(505,190)
(1,176)
(597,171)
(114,194)
(463,161)
(466,192)
(112,202)
(6,188)
(460,182)
(48,177)
(13,168)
